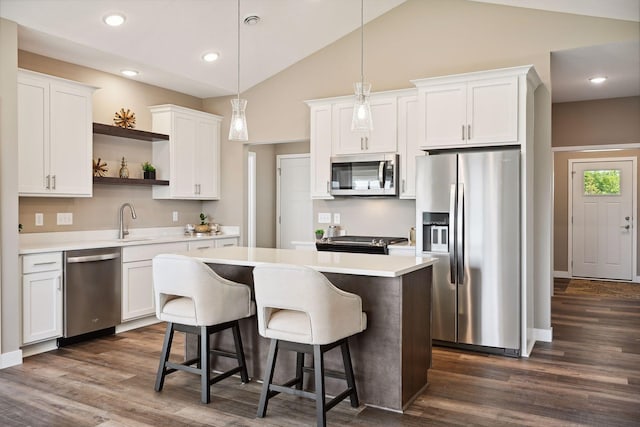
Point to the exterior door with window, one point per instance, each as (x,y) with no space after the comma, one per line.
(602,219)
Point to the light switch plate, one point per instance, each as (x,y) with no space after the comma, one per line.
(324,218)
(39,219)
(64,218)
(336,218)
(175,216)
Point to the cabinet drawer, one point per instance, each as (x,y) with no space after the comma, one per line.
(145,252)
(229,241)
(35,263)
(201,244)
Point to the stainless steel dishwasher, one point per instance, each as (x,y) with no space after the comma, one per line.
(91,293)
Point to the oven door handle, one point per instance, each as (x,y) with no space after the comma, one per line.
(92,258)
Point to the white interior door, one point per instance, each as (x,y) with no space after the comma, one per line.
(602,226)
(294,205)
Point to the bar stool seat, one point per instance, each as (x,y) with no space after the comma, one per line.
(193,299)
(300,310)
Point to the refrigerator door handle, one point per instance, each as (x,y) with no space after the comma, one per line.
(451,242)
(460,235)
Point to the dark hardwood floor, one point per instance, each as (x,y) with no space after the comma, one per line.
(589,375)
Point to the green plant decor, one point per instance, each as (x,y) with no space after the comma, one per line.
(148,167)
(203,219)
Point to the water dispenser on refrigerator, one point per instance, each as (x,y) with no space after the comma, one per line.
(435,232)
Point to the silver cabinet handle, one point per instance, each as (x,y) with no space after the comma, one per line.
(44,263)
(59,282)
(47,185)
(92,258)
(228,244)
(366,142)
(53,179)
(361,143)
(328,189)
(203,247)
(468,131)
(403,186)
(463,132)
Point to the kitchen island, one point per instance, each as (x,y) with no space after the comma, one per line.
(390,358)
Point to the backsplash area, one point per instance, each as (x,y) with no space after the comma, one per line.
(100,212)
(390,217)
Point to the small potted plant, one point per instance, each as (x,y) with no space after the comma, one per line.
(319,233)
(149,170)
(203,227)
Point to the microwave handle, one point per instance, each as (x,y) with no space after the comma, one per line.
(381,173)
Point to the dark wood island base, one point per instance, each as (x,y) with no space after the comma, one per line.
(390,358)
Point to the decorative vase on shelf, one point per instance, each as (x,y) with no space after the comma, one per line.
(124,171)
(149,174)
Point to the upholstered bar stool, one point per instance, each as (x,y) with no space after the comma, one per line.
(192,298)
(302,311)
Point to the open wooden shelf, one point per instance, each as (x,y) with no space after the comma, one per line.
(142,135)
(127,181)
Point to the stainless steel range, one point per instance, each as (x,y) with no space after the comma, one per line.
(358,244)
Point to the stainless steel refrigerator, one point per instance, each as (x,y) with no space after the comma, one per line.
(468,203)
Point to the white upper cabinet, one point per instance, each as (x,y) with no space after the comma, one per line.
(54,137)
(408,144)
(320,151)
(382,139)
(472,109)
(190,160)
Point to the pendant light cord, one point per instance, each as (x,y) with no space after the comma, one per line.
(238,49)
(362,42)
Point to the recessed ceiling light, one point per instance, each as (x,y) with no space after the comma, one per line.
(114,19)
(210,56)
(597,80)
(252,19)
(129,73)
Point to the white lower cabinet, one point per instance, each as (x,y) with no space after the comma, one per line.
(137,277)
(41,297)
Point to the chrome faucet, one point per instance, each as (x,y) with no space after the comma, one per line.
(122,232)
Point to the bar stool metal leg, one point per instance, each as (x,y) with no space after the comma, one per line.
(348,372)
(318,369)
(205,370)
(164,356)
(237,339)
(299,369)
(268,378)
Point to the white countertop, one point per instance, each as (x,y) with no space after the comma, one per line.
(72,240)
(326,262)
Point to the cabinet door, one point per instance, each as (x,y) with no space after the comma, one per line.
(70,141)
(382,139)
(207,159)
(408,144)
(442,116)
(320,152)
(344,140)
(184,134)
(137,290)
(33,135)
(41,306)
(492,111)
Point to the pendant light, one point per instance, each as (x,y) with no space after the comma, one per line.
(238,129)
(361,120)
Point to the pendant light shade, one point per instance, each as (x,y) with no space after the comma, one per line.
(238,130)
(361,120)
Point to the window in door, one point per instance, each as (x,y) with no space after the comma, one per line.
(601,182)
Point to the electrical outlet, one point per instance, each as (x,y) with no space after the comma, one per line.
(64,218)
(175,216)
(336,218)
(324,218)
(39,220)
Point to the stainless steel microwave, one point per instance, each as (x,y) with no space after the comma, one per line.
(365,175)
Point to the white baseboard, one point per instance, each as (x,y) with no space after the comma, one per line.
(137,323)
(545,335)
(10,359)
(41,347)
(561,274)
